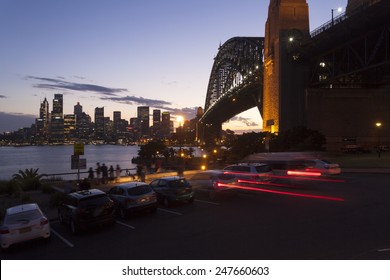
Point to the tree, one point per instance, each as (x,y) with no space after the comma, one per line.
(28,179)
(150,150)
(300,139)
(246,144)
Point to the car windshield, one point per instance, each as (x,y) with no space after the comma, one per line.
(181,183)
(93,201)
(139,190)
(22,217)
(263,168)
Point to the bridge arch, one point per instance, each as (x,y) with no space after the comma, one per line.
(235,84)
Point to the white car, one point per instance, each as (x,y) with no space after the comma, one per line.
(323,166)
(22,223)
(250,172)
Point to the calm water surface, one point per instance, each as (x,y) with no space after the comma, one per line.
(57,159)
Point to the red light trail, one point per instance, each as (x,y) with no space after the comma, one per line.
(283,192)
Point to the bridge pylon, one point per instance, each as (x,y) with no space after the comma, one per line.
(285,75)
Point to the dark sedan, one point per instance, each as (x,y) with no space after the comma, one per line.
(172,189)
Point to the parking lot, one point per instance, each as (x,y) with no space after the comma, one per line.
(291,222)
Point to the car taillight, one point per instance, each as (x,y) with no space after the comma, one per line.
(4,230)
(44,221)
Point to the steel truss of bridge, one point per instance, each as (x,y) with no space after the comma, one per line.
(236,80)
(353,50)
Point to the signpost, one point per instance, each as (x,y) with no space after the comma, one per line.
(77,162)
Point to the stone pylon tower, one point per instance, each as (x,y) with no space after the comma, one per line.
(285,74)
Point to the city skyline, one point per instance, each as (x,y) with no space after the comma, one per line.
(122,54)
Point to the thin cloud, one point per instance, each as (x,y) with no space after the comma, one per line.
(3,96)
(133,100)
(246,121)
(59,84)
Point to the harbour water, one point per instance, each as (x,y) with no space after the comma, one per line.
(57,159)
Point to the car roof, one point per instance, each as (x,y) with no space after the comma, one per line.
(131,185)
(86,193)
(22,208)
(248,164)
(171,178)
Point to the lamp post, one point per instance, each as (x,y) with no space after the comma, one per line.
(179,132)
(339,9)
(378,125)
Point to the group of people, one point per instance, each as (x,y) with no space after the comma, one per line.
(104,174)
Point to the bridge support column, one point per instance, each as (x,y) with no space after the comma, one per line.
(284,76)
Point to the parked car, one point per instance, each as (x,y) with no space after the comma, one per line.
(172,189)
(133,196)
(213,181)
(85,209)
(22,223)
(250,172)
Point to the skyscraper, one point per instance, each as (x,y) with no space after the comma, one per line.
(57,120)
(43,122)
(99,123)
(58,106)
(165,124)
(143,118)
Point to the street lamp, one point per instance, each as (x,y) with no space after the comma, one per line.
(339,9)
(378,125)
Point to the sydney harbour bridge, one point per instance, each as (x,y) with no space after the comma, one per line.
(297,78)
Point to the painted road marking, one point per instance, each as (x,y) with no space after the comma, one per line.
(124,224)
(383,250)
(62,238)
(209,202)
(168,211)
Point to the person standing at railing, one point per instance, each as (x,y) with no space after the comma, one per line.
(118,173)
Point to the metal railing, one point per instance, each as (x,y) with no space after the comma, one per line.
(342,17)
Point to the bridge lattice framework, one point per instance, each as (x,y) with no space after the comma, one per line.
(235,84)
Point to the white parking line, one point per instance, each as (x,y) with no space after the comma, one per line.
(62,238)
(209,202)
(168,211)
(383,250)
(126,225)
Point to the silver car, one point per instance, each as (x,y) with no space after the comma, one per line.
(133,196)
(213,181)
(250,172)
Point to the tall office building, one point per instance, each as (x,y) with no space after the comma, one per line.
(57,120)
(99,123)
(165,124)
(78,109)
(156,126)
(143,119)
(58,106)
(70,134)
(43,122)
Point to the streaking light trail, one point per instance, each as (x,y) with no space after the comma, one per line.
(323,197)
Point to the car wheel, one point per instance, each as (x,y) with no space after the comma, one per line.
(166,202)
(122,213)
(73,227)
(191,200)
(60,217)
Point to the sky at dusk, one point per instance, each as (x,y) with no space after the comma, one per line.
(120,54)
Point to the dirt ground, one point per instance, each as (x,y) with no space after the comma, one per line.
(42,199)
